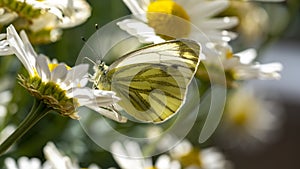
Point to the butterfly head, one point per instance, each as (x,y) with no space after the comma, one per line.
(100,78)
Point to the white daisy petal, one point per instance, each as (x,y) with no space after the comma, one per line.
(199,13)
(87,96)
(133,149)
(59,73)
(24,163)
(47,20)
(205,9)
(142,31)
(119,152)
(56,159)
(75,75)
(218,36)
(5,49)
(19,46)
(270,71)
(109,114)
(7,17)
(10,163)
(54,156)
(247,56)
(42,68)
(2,36)
(136,8)
(76,13)
(175,165)
(190,4)
(163,162)
(218,23)
(129,155)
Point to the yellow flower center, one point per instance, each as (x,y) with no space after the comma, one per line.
(151,167)
(52,66)
(191,158)
(239,119)
(52,95)
(169,19)
(229,54)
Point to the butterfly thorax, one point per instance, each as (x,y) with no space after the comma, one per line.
(101,81)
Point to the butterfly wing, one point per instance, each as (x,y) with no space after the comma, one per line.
(152,82)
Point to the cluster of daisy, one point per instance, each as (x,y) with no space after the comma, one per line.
(63,89)
(43,20)
(55,159)
(129,155)
(59,86)
(247,119)
(184,155)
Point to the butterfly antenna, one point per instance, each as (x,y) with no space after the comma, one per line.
(97,26)
(91,49)
(97,31)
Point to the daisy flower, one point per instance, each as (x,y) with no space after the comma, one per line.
(131,157)
(45,19)
(193,158)
(159,20)
(55,86)
(248,120)
(58,161)
(238,66)
(55,160)
(24,163)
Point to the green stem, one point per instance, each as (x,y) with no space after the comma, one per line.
(38,111)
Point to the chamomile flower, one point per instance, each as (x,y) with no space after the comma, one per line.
(248,120)
(25,162)
(55,160)
(60,87)
(55,86)
(130,157)
(194,158)
(44,19)
(58,161)
(160,20)
(238,66)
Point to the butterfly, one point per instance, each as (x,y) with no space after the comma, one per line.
(152,81)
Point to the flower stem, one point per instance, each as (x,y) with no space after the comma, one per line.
(38,111)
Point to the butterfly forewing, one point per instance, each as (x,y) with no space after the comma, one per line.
(152,82)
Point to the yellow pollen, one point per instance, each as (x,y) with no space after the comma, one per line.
(151,167)
(229,54)
(191,158)
(239,119)
(169,19)
(52,66)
